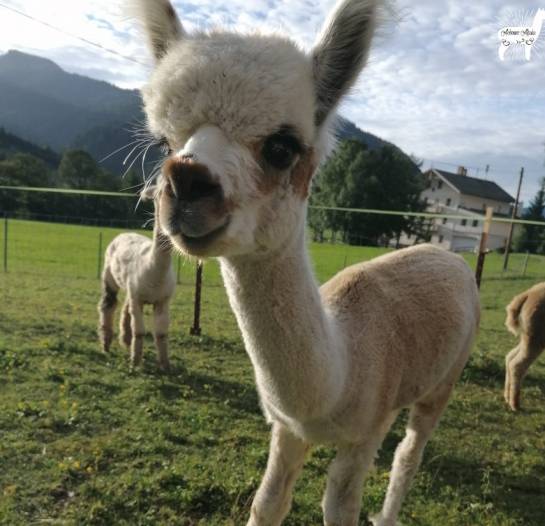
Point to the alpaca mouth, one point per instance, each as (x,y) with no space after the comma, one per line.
(193,242)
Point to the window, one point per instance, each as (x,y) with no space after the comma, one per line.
(475,222)
(441,239)
(440,184)
(464,222)
(444,221)
(449,200)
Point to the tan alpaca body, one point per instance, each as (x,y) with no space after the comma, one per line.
(525,318)
(248,119)
(415,347)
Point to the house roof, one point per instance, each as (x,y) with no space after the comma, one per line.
(477,187)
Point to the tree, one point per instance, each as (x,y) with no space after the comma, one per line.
(23,169)
(532,237)
(79,170)
(355,177)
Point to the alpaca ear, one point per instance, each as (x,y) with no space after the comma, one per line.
(160,22)
(341,52)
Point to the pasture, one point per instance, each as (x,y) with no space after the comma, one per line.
(85,441)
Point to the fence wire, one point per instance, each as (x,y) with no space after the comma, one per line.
(74,250)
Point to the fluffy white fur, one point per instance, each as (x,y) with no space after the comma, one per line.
(526,319)
(142,267)
(334,364)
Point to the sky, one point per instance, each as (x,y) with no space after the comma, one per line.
(434,84)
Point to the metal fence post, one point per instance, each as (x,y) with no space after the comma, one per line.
(6,242)
(99,259)
(525,266)
(196,329)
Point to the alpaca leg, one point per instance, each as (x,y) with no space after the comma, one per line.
(342,499)
(508,373)
(160,333)
(138,331)
(518,367)
(106,310)
(125,331)
(273,498)
(423,418)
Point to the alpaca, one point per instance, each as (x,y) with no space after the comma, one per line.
(143,268)
(525,318)
(521,35)
(248,119)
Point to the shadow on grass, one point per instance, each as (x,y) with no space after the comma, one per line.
(487,372)
(518,496)
(239,396)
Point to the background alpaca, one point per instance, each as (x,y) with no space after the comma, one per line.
(525,318)
(143,268)
(248,120)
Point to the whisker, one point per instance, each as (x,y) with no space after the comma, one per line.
(140,142)
(132,163)
(116,151)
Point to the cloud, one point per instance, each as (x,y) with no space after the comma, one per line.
(434,84)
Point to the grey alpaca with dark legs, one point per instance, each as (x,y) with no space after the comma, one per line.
(142,267)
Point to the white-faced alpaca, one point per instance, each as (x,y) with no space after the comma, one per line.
(248,119)
(525,318)
(143,268)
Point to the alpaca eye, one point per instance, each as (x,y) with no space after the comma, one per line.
(280,149)
(164,146)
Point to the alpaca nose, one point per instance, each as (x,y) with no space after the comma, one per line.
(190,181)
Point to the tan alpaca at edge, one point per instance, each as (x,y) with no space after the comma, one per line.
(142,267)
(525,318)
(248,118)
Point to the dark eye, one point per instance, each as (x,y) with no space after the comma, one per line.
(164,146)
(280,149)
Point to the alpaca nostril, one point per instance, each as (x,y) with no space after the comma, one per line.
(201,189)
(189,181)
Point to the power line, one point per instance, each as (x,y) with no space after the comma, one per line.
(85,40)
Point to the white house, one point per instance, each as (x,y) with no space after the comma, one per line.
(459,194)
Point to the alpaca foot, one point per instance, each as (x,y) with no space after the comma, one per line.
(514,402)
(164,365)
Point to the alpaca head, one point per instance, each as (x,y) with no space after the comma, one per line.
(246,120)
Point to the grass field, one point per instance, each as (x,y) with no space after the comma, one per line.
(85,441)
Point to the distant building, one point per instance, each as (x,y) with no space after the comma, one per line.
(459,194)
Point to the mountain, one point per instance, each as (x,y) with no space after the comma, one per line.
(11,145)
(348,130)
(44,104)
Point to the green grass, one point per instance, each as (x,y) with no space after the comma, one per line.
(85,441)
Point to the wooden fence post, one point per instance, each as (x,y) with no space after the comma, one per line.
(482,246)
(178,270)
(196,329)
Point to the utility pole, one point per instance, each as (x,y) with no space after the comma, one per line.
(512,225)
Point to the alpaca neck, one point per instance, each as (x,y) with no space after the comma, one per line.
(161,253)
(294,347)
